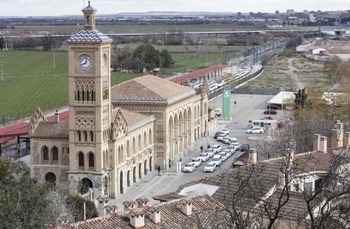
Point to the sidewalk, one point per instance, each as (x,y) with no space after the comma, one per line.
(152,184)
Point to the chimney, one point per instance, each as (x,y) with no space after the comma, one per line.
(323,144)
(347,139)
(142,202)
(155,215)
(186,207)
(101,204)
(253,156)
(340,128)
(111,209)
(156,71)
(317,138)
(129,205)
(57,116)
(137,220)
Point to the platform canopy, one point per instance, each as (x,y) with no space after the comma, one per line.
(283,97)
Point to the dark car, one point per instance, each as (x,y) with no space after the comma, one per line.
(245,147)
(271,112)
(272,106)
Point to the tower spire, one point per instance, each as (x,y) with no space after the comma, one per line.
(89,17)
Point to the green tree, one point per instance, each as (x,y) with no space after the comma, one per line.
(166,59)
(147,56)
(76,203)
(300,98)
(22,199)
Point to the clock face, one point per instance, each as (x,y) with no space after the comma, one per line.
(85,62)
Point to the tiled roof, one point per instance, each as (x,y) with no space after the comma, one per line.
(168,197)
(89,36)
(294,209)
(89,8)
(309,162)
(52,130)
(204,210)
(195,74)
(147,87)
(132,117)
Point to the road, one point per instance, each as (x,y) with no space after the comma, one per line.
(248,107)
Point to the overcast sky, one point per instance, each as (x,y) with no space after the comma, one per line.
(69,7)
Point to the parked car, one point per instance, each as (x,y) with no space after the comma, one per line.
(219,133)
(223,156)
(267,117)
(233,148)
(196,161)
(217,160)
(228,139)
(189,167)
(245,147)
(204,156)
(217,148)
(228,152)
(271,106)
(210,167)
(270,111)
(210,152)
(221,137)
(255,130)
(226,131)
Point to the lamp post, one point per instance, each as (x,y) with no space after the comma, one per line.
(2,56)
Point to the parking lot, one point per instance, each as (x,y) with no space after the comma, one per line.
(247,107)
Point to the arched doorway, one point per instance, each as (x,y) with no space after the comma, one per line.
(86,183)
(128,179)
(134,175)
(50,178)
(150,164)
(140,170)
(121,183)
(145,167)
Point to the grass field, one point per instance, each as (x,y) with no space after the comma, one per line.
(38,78)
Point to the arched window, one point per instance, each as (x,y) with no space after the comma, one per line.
(139,143)
(83,95)
(85,136)
(144,139)
(133,146)
(81,159)
(88,95)
(79,135)
(91,160)
(54,153)
(91,136)
(150,137)
(128,148)
(45,153)
(78,96)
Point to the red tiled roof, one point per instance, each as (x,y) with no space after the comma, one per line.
(195,74)
(9,132)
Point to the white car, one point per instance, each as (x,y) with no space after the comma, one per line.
(223,156)
(217,160)
(210,167)
(228,152)
(204,156)
(228,139)
(210,152)
(217,148)
(236,144)
(232,148)
(255,130)
(189,167)
(226,131)
(196,161)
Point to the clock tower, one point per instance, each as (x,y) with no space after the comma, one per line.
(89,54)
